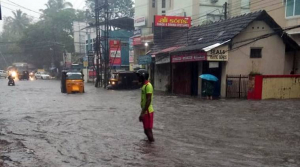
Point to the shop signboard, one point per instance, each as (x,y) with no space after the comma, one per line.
(131,56)
(137,32)
(218,54)
(131,51)
(130,44)
(147,38)
(85,61)
(145,60)
(140,21)
(115,52)
(137,41)
(173,21)
(189,57)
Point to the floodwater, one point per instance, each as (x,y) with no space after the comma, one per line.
(41,127)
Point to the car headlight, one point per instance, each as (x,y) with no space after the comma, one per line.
(13,74)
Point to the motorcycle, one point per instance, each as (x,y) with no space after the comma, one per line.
(11,81)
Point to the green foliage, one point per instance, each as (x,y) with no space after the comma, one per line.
(118,8)
(17,23)
(44,41)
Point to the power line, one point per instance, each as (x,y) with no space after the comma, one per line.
(15,10)
(24,7)
(256,9)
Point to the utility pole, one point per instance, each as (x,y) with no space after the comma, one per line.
(97,48)
(225,10)
(106,34)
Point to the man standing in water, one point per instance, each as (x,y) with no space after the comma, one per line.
(147,112)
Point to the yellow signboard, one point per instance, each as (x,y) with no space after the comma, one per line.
(85,64)
(218,54)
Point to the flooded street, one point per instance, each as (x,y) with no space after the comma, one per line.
(42,127)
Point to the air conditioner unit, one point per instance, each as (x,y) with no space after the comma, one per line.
(214,1)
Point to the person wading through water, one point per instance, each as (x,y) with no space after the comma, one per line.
(147,112)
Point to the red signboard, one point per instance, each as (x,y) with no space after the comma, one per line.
(115,53)
(137,41)
(172,21)
(201,56)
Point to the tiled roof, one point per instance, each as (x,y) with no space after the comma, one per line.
(201,36)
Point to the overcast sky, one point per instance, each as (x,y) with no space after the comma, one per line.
(34,5)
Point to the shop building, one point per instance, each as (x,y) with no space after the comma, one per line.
(243,45)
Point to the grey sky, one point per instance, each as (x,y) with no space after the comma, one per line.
(34,5)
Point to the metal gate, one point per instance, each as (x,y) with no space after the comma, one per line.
(236,86)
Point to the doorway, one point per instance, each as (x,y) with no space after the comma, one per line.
(213,68)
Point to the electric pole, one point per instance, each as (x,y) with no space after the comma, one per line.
(225,10)
(106,34)
(97,48)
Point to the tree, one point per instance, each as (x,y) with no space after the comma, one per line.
(44,41)
(55,6)
(52,35)
(118,8)
(17,23)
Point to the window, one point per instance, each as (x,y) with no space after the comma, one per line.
(163,5)
(163,12)
(255,53)
(292,8)
(153,3)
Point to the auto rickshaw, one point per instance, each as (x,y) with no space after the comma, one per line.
(72,82)
(124,80)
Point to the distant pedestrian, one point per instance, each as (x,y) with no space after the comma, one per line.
(147,112)
(209,89)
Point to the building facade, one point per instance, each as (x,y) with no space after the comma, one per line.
(244,45)
(287,14)
(79,39)
(201,12)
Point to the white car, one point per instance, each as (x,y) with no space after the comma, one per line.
(42,75)
(3,74)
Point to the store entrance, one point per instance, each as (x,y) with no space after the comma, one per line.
(213,68)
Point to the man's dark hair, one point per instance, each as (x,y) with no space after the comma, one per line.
(143,75)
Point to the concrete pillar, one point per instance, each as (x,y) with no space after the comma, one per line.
(199,79)
(223,79)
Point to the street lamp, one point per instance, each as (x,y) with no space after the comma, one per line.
(146,46)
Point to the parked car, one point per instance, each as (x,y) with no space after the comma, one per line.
(3,74)
(42,75)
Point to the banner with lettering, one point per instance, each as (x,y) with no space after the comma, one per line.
(218,54)
(189,57)
(115,52)
(173,21)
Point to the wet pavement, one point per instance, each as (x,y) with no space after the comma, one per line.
(41,127)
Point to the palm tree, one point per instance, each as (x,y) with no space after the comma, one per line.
(62,4)
(18,22)
(55,6)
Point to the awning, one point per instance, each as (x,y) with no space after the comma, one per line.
(163,59)
(167,50)
(205,47)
